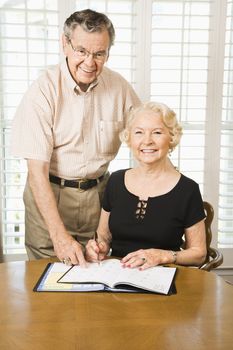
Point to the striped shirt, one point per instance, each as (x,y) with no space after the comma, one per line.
(76,132)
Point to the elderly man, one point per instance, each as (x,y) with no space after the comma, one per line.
(67,128)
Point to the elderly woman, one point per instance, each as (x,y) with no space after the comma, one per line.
(147,210)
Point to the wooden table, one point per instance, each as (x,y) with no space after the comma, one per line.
(198,317)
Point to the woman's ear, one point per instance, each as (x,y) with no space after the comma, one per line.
(171,145)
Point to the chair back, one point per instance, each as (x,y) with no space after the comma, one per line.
(213,258)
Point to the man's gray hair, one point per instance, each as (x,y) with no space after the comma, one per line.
(90,21)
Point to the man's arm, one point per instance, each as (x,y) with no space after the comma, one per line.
(65,245)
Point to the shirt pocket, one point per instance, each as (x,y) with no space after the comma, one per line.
(109,140)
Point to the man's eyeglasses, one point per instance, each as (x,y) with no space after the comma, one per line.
(83,53)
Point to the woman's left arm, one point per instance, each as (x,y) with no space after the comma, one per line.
(193,254)
(195,245)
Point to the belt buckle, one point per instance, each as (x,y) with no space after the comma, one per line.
(79,183)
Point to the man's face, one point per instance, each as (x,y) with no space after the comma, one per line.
(86,55)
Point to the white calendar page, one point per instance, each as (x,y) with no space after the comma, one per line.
(111,273)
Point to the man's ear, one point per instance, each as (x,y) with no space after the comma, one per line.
(107,56)
(64,44)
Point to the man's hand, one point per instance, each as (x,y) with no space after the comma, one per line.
(68,249)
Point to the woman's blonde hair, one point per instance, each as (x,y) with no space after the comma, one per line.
(168,117)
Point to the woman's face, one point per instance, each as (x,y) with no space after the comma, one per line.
(149,138)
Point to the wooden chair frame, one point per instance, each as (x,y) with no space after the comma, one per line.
(213,258)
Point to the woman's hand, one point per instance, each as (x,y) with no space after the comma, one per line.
(145,258)
(96,251)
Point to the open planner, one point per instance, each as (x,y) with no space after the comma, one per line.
(109,275)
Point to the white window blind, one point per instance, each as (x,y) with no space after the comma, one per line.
(225,222)
(179,74)
(29,42)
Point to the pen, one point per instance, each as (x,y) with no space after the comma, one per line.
(96,240)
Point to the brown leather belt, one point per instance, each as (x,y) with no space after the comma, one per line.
(81,184)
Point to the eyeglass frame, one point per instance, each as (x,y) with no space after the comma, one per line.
(86,53)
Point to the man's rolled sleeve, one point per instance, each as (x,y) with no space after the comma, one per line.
(31,136)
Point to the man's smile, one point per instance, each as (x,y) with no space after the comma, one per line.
(86,70)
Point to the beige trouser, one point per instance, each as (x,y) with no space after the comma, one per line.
(79,212)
